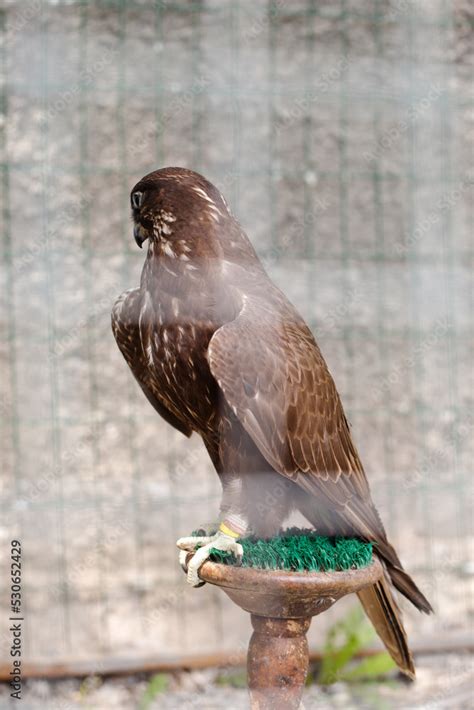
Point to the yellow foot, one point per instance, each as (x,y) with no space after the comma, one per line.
(204,532)
(219,541)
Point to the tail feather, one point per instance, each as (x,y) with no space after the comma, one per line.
(399,578)
(377,600)
(381,608)
(404,583)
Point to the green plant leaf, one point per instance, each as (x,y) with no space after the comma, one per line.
(371,667)
(157,684)
(344,640)
(234,679)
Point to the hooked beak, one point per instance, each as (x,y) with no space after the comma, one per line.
(139,234)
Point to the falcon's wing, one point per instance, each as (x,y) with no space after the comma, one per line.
(126,329)
(275,379)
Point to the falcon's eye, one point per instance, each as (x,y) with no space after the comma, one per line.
(137,199)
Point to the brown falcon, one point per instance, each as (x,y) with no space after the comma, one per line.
(219,350)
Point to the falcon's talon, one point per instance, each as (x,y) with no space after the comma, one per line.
(182,560)
(207,529)
(219,541)
(189,543)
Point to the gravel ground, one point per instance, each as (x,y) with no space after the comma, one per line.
(442,682)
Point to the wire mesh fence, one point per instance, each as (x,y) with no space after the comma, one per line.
(338,133)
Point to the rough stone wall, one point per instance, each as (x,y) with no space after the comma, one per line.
(339,134)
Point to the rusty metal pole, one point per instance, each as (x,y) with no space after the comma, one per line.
(281,605)
(277,662)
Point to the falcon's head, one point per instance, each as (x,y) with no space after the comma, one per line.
(178,207)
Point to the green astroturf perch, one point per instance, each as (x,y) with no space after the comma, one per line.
(300,550)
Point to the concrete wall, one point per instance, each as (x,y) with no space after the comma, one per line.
(339,134)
